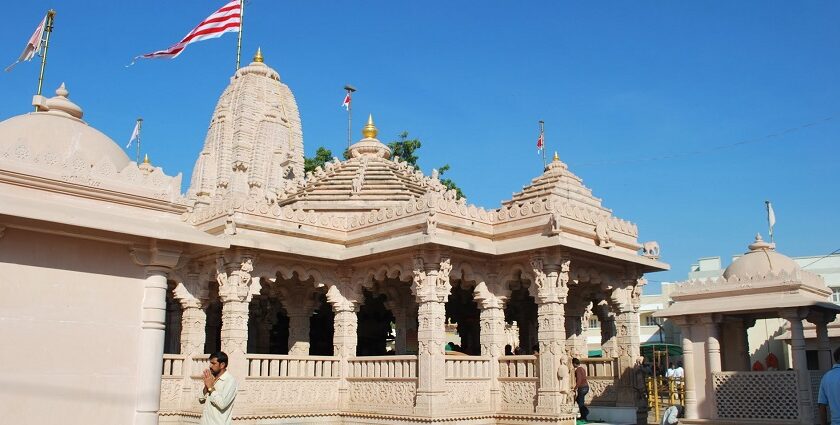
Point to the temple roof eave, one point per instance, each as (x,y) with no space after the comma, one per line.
(117,219)
(771,302)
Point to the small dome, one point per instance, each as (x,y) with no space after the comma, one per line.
(369,146)
(761,260)
(57,128)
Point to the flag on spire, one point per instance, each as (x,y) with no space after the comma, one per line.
(227,19)
(347,99)
(771,218)
(33,46)
(134,134)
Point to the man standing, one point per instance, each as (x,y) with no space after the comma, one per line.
(219,392)
(670,373)
(581,388)
(829,395)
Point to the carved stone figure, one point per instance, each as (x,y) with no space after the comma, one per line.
(602,232)
(651,249)
(431,222)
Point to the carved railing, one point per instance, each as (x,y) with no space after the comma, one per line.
(173,365)
(518,383)
(382,384)
(770,395)
(600,368)
(285,366)
(467,367)
(518,367)
(383,367)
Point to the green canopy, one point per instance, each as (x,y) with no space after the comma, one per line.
(595,353)
(673,350)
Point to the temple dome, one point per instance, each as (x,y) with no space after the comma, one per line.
(57,130)
(255,140)
(761,260)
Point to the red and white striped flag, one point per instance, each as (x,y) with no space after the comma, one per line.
(227,19)
(346,103)
(540,143)
(33,46)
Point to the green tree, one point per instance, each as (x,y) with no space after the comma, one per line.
(405,147)
(448,182)
(322,156)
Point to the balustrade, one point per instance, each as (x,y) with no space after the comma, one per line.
(467,367)
(383,367)
(518,367)
(173,364)
(600,368)
(285,366)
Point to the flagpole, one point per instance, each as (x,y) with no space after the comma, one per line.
(239,38)
(46,41)
(139,128)
(350,89)
(542,136)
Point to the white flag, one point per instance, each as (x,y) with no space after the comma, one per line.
(134,134)
(33,46)
(771,216)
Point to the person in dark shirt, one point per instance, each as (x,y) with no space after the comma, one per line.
(581,388)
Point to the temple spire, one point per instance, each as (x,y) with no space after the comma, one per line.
(258,57)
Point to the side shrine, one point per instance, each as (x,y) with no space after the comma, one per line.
(330,291)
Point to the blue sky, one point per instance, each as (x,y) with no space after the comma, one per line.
(682,116)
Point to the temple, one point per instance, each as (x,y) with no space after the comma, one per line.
(331,291)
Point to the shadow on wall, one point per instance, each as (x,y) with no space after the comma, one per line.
(771,345)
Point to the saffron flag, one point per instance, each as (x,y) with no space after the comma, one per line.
(134,134)
(33,46)
(346,103)
(540,143)
(227,19)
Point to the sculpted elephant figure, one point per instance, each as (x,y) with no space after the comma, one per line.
(650,249)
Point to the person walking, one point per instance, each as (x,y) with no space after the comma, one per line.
(828,398)
(581,388)
(219,392)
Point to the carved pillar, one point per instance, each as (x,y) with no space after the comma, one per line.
(234,279)
(626,299)
(684,323)
(266,325)
(431,288)
(157,261)
(344,298)
(609,343)
(821,321)
(713,361)
(550,288)
(574,329)
(492,331)
(800,362)
(192,295)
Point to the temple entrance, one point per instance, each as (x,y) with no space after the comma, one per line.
(376,326)
(522,309)
(172,325)
(321,329)
(462,311)
(268,326)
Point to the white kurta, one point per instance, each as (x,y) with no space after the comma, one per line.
(218,405)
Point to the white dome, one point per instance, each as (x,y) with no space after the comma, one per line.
(761,260)
(57,130)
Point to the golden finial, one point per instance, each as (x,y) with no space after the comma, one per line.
(258,57)
(370,131)
(556,157)
(146,159)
